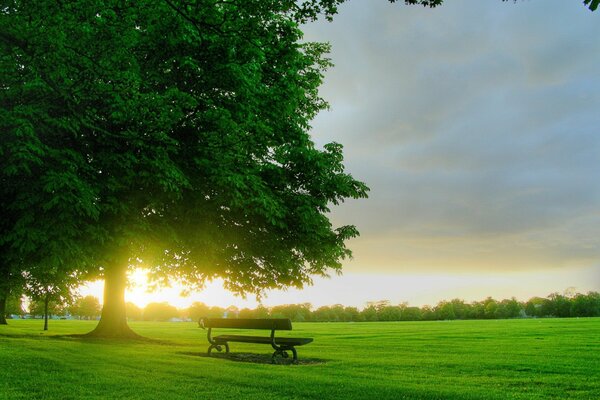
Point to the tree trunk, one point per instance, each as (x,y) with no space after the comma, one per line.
(113,321)
(3,308)
(4,291)
(46,301)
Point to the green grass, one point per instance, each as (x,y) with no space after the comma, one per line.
(504,359)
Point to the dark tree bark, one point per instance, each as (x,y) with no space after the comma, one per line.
(4,291)
(46,302)
(3,308)
(113,321)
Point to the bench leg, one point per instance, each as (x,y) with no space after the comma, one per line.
(283,353)
(295,354)
(219,348)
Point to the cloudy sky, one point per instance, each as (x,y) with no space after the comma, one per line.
(477,127)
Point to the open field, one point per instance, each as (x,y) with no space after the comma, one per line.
(496,359)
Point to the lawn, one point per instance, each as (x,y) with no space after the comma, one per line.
(496,359)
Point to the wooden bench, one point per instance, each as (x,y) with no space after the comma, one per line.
(281,345)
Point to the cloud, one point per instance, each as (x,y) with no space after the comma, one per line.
(475,125)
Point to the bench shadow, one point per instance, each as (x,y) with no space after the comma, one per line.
(254,358)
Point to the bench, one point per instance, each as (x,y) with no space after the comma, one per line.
(281,345)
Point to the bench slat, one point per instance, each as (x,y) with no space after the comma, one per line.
(248,323)
(259,339)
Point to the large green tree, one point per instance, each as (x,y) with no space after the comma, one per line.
(171,134)
(183,130)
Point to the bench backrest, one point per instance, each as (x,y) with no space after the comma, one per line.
(247,323)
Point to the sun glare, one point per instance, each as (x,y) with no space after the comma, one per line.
(356,289)
(139,293)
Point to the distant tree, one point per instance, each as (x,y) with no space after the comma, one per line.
(389,313)
(428,313)
(534,307)
(14,306)
(586,305)
(411,314)
(247,313)
(198,310)
(261,312)
(323,314)
(232,312)
(556,305)
(216,312)
(352,314)
(87,307)
(134,313)
(337,313)
(509,308)
(445,310)
(490,308)
(159,312)
(295,312)
(42,309)
(369,313)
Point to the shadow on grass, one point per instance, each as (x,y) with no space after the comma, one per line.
(84,337)
(255,358)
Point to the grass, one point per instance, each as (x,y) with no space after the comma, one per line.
(498,359)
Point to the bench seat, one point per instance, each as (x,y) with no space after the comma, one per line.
(262,340)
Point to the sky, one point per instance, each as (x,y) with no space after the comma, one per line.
(475,125)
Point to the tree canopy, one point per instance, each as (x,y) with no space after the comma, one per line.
(168,134)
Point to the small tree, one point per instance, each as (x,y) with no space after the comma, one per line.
(51,289)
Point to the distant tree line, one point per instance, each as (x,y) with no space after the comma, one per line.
(565,305)
(568,304)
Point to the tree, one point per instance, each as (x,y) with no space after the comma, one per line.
(411,314)
(40,308)
(49,286)
(586,305)
(509,308)
(445,310)
(14,306)
(295,312)
(132,311)
(187,129)
(159,312)
(197,310)
(369,313)
(556,305)
(87,307)
(534,307)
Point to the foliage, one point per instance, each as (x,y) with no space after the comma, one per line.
(37,308)
(159,312)
(14,306)
(134,313)
(592,4)
(87,307)
(555,305)
(169,134)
